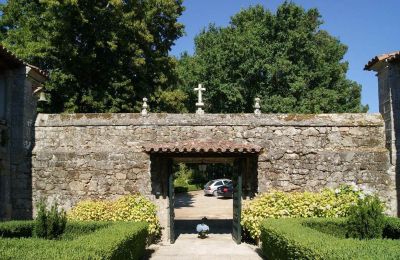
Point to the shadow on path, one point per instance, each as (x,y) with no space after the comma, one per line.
(183,200)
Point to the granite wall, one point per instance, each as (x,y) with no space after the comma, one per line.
(100,156)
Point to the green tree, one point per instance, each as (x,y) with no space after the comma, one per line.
(102,55)
(283,58)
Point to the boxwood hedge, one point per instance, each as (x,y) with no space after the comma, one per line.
(89,240)
(295,239)
(21,228)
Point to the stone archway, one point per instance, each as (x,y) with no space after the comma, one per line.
(244,158)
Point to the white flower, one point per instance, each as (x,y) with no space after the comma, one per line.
(337,191)
(202,227)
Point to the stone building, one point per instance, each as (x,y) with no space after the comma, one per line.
(387,67)
(19,89)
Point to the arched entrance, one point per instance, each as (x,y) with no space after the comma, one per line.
(242,157)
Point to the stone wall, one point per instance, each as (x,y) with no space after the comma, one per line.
(100,156)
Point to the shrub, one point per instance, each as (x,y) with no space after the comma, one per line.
(119,240)
(20,228)
(49,224)
(277,204)
(291,239)
(331,226)
(127,208)
(392,228)
(366,219)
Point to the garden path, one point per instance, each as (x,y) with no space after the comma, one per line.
(216,246)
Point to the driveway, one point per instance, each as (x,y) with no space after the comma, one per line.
(194,205)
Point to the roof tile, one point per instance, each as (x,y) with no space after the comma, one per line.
(393,56)
(196,146)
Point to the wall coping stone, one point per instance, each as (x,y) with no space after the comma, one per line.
(163,119)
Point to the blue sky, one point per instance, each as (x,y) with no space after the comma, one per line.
(367,27)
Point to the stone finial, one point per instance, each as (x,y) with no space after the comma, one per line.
(144,107)
(200,103)
(257,107)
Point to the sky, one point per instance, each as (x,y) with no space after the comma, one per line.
(368,27)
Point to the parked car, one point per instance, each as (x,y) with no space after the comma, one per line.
(225,191)
(211,187)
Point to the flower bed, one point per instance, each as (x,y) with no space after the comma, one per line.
(323,239)
(81,240)
(277,204)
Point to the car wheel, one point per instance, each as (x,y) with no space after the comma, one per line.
(215,194)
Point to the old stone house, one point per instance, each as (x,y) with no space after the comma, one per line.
(20,85)
(103,156)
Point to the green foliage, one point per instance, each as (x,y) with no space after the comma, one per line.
(366,219)
(186,179)
(103,55)
(127,208)
(20,228)
(277,204)
(290,239)
(49,224)
(331,226)
(119,240)
(75,229)
(283,58)
(183,176)
(392,228)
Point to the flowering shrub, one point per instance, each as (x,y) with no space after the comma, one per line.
(278,204)
(127,208)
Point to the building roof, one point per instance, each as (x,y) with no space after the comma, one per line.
(196,146)
(387,57)
(9,61)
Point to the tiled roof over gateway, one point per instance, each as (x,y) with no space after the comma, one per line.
(393,56)
(202,147)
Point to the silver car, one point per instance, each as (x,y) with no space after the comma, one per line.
(211,187)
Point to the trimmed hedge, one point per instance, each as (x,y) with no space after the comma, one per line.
(293,239)
(117,240)
(16,228)
(392,228)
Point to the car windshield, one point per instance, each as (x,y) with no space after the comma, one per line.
(209,183)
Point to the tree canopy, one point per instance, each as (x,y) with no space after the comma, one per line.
(284,58)
(102,55)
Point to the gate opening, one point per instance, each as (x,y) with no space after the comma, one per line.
(203,190)
(237,162)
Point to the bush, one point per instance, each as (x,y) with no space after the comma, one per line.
(392,228)
(49,224)
(20,228)
(366,219)
(127,208)
(331,226)
(291,239)
(119,240)
(277,204)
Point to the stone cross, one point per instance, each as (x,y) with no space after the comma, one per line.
(200,103)
(144,107)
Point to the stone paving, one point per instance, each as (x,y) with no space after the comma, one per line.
(189,209)
(216,246)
